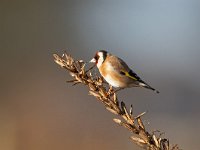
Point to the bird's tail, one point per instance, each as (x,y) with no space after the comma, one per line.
(148,87)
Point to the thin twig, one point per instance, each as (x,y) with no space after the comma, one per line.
(97,88)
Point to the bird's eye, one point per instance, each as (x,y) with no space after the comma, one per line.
(96,57)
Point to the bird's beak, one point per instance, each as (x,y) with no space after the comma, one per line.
(93,60)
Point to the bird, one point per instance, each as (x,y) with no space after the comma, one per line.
(116,72)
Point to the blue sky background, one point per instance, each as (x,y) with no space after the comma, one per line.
(159,39)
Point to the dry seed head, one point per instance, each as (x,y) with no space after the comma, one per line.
(111,110)
(118,121)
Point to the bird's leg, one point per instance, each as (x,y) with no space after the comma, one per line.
(111,91)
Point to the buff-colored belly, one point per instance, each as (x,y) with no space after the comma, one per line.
(113,82)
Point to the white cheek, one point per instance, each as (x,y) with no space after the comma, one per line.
(100,54)
(100,61)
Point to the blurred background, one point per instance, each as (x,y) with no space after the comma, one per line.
(39,110)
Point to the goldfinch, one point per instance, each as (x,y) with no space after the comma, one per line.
(116,72)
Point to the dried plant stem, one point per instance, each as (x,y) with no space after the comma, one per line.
(97,88)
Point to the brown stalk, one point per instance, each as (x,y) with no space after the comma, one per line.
(140,136)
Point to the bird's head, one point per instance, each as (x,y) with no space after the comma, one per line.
(99,57)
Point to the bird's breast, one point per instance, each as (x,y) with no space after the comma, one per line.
(112,81)
(112,76)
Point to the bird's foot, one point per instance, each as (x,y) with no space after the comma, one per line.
(111,91)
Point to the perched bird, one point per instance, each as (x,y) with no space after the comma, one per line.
(116,72)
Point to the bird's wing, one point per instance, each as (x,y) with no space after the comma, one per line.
(135,77)
(131,75)
(121,67)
